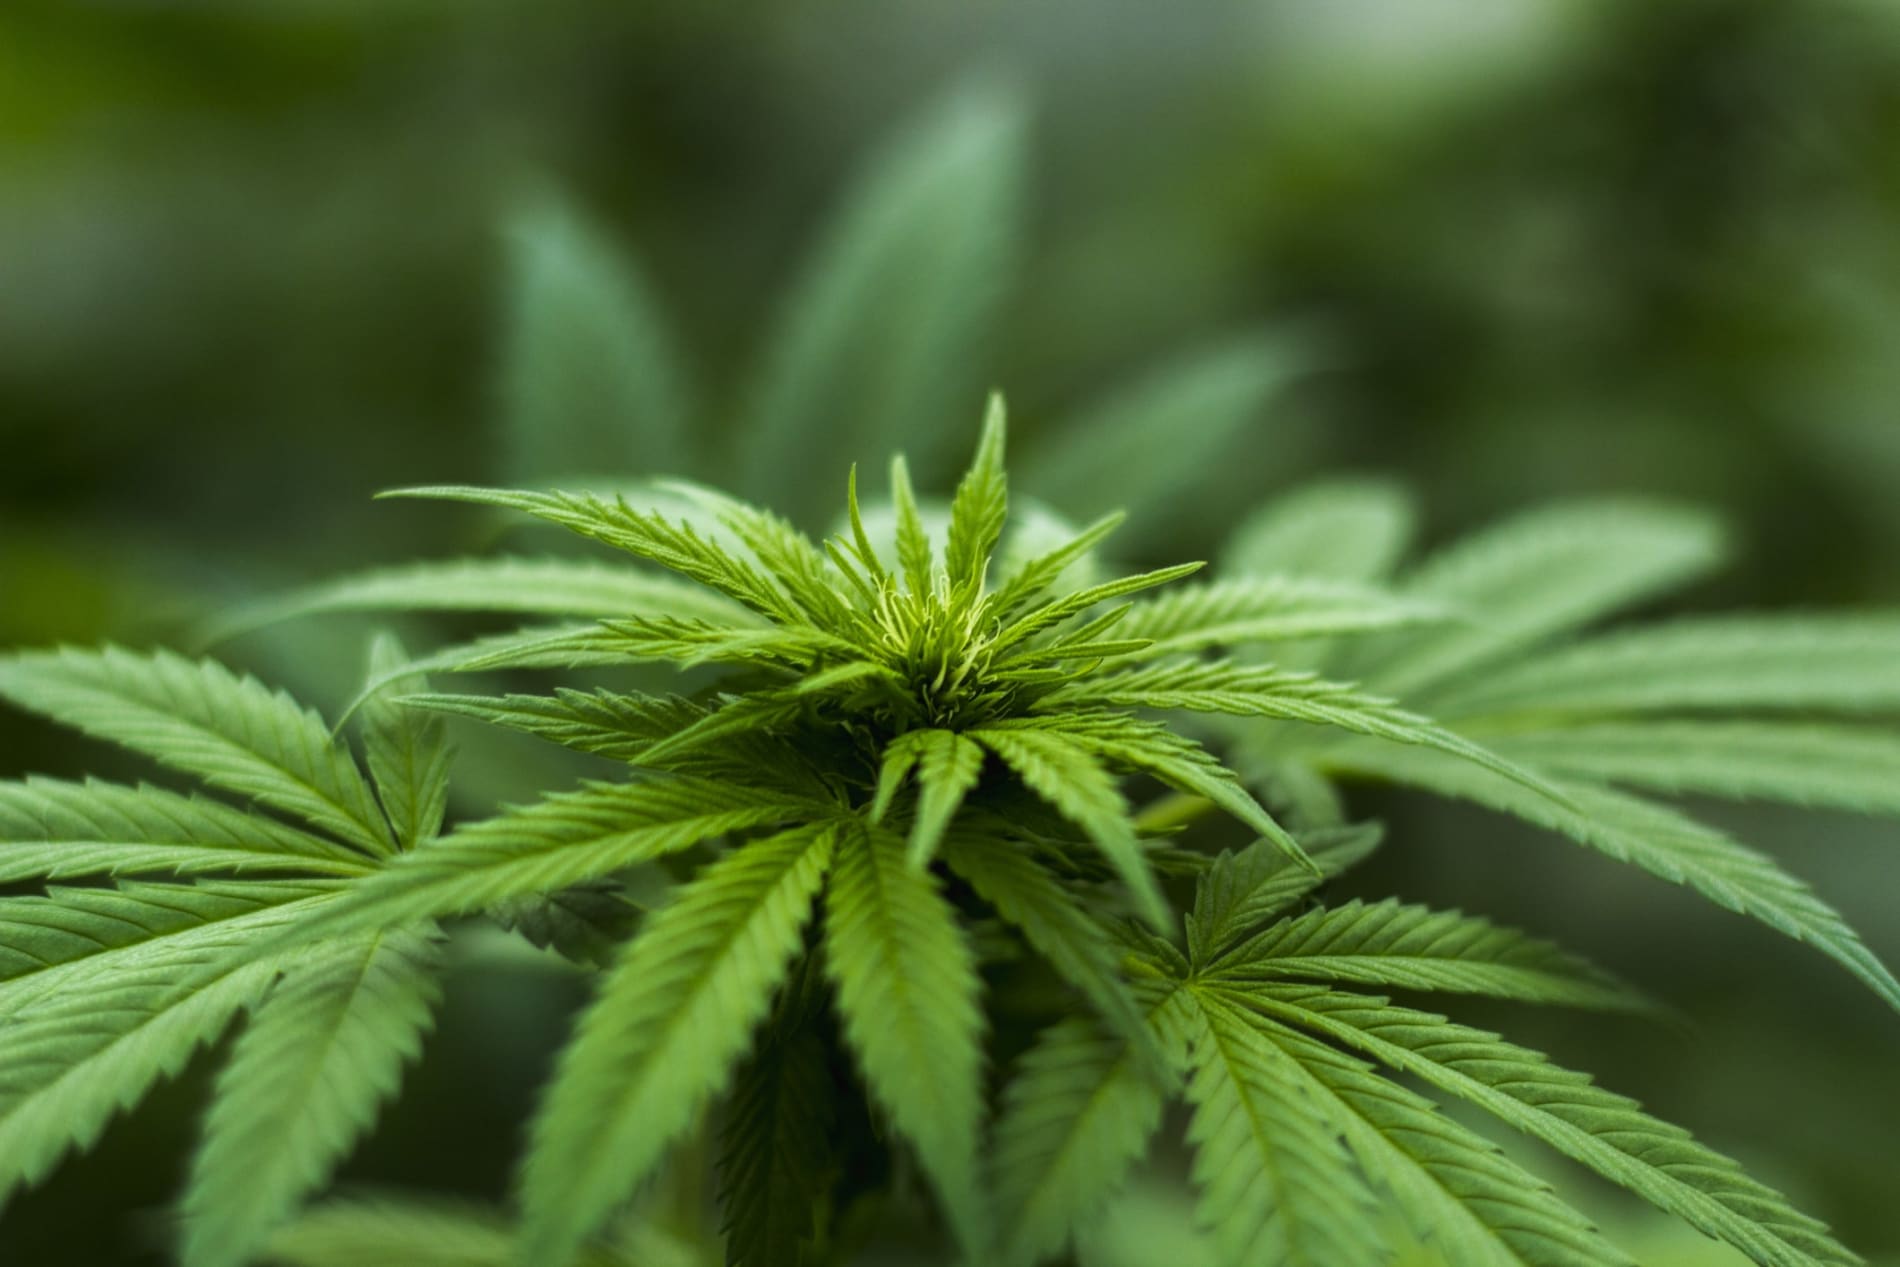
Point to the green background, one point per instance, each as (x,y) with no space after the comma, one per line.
(255,265)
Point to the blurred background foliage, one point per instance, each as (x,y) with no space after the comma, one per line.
(258,261)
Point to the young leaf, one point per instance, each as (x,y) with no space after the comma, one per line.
(948,766)
(1058,610)
(663,1034)
(907,992)
(913,541)
(408,752)
(675,545)
(981,506)
(305,1080)
(1034,575)
(683,642)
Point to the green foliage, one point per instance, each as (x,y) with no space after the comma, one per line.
(878,902)
(108,986)
(305,1079)
(671,1018)
(1076,1116)
(587,352)
(1718,705)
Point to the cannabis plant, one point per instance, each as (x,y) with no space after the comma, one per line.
(878,922)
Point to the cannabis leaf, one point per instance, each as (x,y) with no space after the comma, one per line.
(110,985)
(888,845)
(1723,705)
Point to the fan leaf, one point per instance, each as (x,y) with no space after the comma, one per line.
(663,1034)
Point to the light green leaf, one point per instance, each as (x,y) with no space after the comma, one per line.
(947,768)
(54,830)
(629,726)
(1076,1116)
(408,752)
(1416,948)
(414,1233)
(75,939)
(1249,610)
(1244,889)
(1249,691)
(685,643)
(305,1080)
(900,757)
(1278,1188)
(1067,775)
(1068,606)
(199,717)
(617,724)
(1349,530)
(1607,1132)
(549,587)
(805,571)
(675,544)
(565,839)
(1173,758)
(1146,446)
(1538,575)
(1833,767)
(1659,840)
(1044,553)
(1848,664)
(78,1057)
(981,506)
(591,381)
(874,347)
(914,554)
(907,991)
(1458,1193)
(663,1033)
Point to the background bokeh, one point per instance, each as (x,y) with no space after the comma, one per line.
(260,260)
